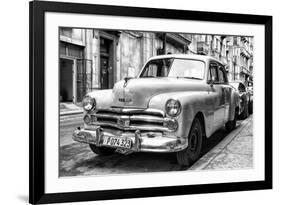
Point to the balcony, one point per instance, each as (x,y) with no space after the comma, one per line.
(244,52)
(245,71)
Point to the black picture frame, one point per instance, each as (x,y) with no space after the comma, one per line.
(37,11)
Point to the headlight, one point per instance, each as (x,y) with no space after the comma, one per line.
(173,107)
(88,103)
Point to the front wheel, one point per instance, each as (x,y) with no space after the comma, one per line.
(193,151)
(101,150)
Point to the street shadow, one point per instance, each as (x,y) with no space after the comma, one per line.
(216,138)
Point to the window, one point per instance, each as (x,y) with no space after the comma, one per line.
(73,33)
(77,34)
(170,67)
(66,32)
(75,51)
(157,68)
(221,75)
(187,69)
(235,41)
(213,73)
(71,50)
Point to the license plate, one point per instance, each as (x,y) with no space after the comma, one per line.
(117,142)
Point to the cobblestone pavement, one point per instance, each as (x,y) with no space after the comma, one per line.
(221,151)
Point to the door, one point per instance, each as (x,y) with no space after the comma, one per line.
(104,68)
(217,90)
(225,92)
(107,54)
(66,80)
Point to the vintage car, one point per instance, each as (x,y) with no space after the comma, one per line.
(245,99)
(174,103)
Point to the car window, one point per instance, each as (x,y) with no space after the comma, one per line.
(187,68)
(173,67)
(157,68)
(221,75)
(213,73)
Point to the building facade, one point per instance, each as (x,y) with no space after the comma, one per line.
(95,59)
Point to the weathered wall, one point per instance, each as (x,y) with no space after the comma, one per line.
(95,59)
(88,53)
(130,58)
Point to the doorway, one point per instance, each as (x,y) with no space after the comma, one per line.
(104,72)
(106,63)
(66,80)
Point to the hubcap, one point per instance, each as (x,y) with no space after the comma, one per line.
(193,140)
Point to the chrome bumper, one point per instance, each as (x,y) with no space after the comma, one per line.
(141,141)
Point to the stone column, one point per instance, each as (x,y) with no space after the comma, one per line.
(88,58)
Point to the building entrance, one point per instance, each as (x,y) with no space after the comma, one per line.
(106,63)
(66,80)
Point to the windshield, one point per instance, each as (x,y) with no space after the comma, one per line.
(173,67)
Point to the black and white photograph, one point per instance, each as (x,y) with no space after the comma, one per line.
(141,101)
(131,102)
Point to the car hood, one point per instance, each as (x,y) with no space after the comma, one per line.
(137,92)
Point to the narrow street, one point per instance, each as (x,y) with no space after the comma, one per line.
(221,151)
(67,124)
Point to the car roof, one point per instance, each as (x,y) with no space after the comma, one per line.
(186,56)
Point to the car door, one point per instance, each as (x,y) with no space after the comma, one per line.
(218,95)
(226,92)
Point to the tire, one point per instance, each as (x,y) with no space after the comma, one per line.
(195,138)
(101,150)
(245,113)
(231,125)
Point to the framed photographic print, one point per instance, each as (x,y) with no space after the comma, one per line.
(130,102)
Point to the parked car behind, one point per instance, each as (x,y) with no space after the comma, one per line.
(245,102)
(174,103)
(251,91)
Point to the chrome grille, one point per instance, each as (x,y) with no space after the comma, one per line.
(130,119)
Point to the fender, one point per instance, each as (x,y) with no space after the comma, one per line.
(234,103)
(104,98)
(191,104)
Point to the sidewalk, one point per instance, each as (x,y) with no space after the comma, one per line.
(69,108)
(235,151)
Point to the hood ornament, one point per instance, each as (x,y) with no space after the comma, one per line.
(128,96)
(126,81)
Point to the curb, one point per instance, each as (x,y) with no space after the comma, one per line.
(216,150)
(71,112)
